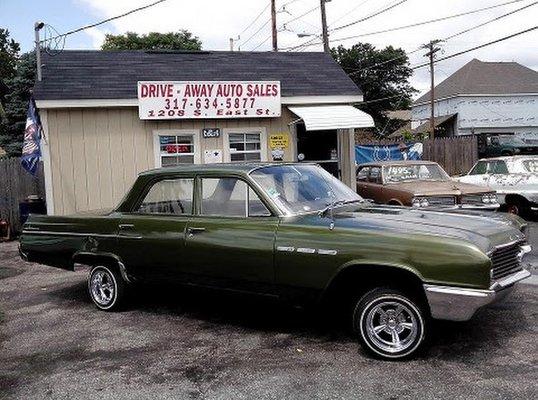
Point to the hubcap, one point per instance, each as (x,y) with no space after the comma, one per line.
(391,326)
(102,287)
(513,209)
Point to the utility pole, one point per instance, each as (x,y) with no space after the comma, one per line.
(37,27)
(273,25)
(432,49)
(324,31)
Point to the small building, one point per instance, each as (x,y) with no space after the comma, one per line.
(108,115)
(483,98)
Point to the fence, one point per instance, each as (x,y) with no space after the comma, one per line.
(16,184)
(455,154)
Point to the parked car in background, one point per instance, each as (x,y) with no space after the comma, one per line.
(291,232)
(514,178)
(421,184)
(504,145)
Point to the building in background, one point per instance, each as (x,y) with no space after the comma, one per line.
(108,115)
(483,98)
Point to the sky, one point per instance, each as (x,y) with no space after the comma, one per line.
(216,21)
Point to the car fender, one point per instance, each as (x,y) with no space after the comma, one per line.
(90,258)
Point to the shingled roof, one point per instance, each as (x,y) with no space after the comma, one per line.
(479,77)
(83,74)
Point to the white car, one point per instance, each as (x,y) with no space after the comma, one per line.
(514,178)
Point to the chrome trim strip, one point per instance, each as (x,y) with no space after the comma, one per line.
(327,252)
(457,291)
(101,235)
(306,250)
(285,248)
(502,246)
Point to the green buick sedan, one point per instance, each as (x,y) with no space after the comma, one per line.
(295,233)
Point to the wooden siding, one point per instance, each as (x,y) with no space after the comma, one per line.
(96,153)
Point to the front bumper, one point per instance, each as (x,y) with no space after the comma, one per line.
(460,304)
(491,207)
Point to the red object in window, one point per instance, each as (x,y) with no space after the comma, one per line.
(171,148)
(182,148)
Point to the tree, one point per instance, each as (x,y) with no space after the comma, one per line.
(9,53)
(182,40)
(17,72)
(387,80)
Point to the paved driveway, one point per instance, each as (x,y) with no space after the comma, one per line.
(172,344)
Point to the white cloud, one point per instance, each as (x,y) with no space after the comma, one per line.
(215,21)
(97,36)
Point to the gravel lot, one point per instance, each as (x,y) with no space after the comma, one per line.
(185,344)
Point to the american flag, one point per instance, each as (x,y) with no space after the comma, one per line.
(32,135)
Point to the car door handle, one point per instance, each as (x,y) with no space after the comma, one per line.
(191,231)
(126,226)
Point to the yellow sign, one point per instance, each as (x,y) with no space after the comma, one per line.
(279,141)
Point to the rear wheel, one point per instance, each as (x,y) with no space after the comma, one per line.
(390,324)
(106,288)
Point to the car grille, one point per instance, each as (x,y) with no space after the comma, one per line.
(505,261)
(442,201)
(471,199)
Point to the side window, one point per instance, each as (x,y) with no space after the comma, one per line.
(375,175)
(230,197)
(500,167)
(479,169)
(362,174)
(169,196)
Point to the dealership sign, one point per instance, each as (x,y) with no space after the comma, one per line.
(196,99)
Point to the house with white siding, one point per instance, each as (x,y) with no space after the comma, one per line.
(483,97)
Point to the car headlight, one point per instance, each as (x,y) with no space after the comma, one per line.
(489,198)
(420,202)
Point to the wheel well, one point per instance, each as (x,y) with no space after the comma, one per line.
(354,281)
(514,198)
(95,259)
(394,203)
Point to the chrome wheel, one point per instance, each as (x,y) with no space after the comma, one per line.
(391,326)
(102,287)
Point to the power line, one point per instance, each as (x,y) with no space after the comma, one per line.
(459,53)
(255,19)
(383,10)
(255,33)
(376,13)
(430,21)
(349,12)
(106,20)
(448,37)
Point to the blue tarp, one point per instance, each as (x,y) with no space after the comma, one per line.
(364,154)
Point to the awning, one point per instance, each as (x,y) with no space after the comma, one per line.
(317,118)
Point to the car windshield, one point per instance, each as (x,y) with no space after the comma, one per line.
(302,188)
(414,172)
(511,140)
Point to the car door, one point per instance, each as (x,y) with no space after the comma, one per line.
(152,235)
(362,180)
(230,240)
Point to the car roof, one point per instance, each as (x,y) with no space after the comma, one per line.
(240,167)
(397,162)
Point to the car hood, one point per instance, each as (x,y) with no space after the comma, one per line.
(483,231)
(437,188)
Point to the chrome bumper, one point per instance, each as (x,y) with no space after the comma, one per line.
(460,304)
(489,207)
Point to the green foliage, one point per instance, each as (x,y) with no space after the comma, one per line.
(15,104)
(9,52)
(389,78)
(182,40)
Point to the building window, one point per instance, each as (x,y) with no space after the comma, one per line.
(176,148)
(245,146)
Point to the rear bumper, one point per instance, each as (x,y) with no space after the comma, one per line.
(459,304)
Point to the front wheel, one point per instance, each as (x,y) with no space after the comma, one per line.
(106,288)
(390,324)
